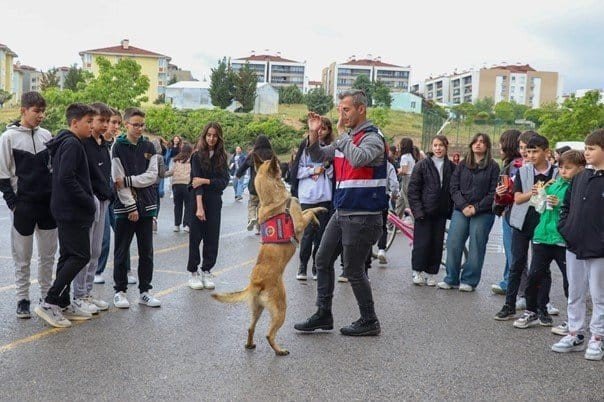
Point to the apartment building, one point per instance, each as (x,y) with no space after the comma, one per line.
(7,57)
(512,83)
(340,77)
(274,69)
(153,65)
(30,77)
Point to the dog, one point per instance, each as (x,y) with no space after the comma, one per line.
(266,288)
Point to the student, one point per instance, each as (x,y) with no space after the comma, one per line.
(113,130)
(26,183)
(392,188)
(99,165)
(548,246)
(431,205)
(236,161)
(181,178)
(524,218)
(209,178)
(409,157)
(73,206)
(134,172)
(472,190)
(581,223)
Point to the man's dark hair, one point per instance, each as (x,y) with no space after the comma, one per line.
(133,111)
(101,109)
(358,97)
(78,111)
(115,112)
(526,136)
(596,138)
(537,141)
(573,157)
(32,99)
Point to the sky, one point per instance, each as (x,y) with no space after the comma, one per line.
(433,37)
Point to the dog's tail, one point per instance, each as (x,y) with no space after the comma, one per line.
(233,297)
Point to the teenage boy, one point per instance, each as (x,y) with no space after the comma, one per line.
(134,172)
(548,245)
(113,130)
(99,165)
(26,183)
(524,218)
(73,206)
(582,226)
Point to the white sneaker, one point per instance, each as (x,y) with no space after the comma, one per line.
(595,349)
(521,303)
(120,300)
(52,315)
(82,304)
(251,224)
(314,277)
(445,285)
(186,229)
(418,278)
(552,310)
(561,329)
(176,229)
(148,300)
(98,279)
(75,312)
(206,279)
(195,281)
(131,280)
(101,305)
(342,278)
(570,343)
(430,280)
(464,287)
(154,225)
(382,257)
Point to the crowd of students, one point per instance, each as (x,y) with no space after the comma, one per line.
(71,190)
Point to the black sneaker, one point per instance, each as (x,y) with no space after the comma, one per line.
(545,320)
(322,319)
(362,327)
(23,309)
(301,276)
(527,319)
(506,313)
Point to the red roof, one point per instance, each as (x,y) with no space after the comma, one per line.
(24,67)
(368,62)
(515,68)
(131,51)
(267,57)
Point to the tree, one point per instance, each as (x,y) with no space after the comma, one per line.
(519,110)
(120,85)
(380,116)
(5,96)
(221,84)
(464,112)
(505,111)
(49,79)
(244,83)
(291,95)
(75,76)
(576,118)
(363,83)
(318,101)
(381,95)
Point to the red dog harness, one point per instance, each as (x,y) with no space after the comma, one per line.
(279,229)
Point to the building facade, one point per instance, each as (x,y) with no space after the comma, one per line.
(153,65)
(338,78)
(274,70)
(7,58)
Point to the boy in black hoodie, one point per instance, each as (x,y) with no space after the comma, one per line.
(72,204)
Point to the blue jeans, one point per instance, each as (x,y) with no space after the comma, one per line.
(238,186)
(109,225)
(477,228)
(507,248)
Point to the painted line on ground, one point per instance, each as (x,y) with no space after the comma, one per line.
(51,331)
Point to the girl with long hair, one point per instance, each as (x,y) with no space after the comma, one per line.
(209,178)
(431,204)
(409,157)
(181,178)
(472,189)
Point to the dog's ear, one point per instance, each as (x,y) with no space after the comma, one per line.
(257,162)
(274,168)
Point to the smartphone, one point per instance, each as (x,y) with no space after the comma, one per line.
(504,180)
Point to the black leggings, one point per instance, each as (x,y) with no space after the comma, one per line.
(181,201)
(208,231)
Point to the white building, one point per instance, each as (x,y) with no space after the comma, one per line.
(274,70)
(267,99)
(189,95)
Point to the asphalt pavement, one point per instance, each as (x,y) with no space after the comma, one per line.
(435,344)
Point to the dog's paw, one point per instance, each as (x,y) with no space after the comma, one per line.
(250,346)
(282,352)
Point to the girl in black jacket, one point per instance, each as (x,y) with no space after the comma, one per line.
(472,189)
(209,178)
(430,203)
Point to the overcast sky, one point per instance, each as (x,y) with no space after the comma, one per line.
(433,37)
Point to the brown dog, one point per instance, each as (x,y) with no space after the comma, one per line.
(266,288)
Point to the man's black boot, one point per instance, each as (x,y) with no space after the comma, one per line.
(322,319)
(362,327)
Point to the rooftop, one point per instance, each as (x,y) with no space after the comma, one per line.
(514,68)
(6,48)
(267,57)
(124,48)
(377,62)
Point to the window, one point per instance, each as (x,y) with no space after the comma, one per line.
(412,105)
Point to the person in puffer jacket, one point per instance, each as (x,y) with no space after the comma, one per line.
(25,181)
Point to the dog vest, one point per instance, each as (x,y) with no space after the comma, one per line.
(279,228)
(361,188)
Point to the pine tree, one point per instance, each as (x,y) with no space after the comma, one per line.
(221,84)
(245,87)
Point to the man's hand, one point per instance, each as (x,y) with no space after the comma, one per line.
(552,200)
(467,211)
(340,127)
(535,190)
(314,125)
(501,190)
(200,214)
(119,183)
(199,181)
(472,210)
(133,216)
